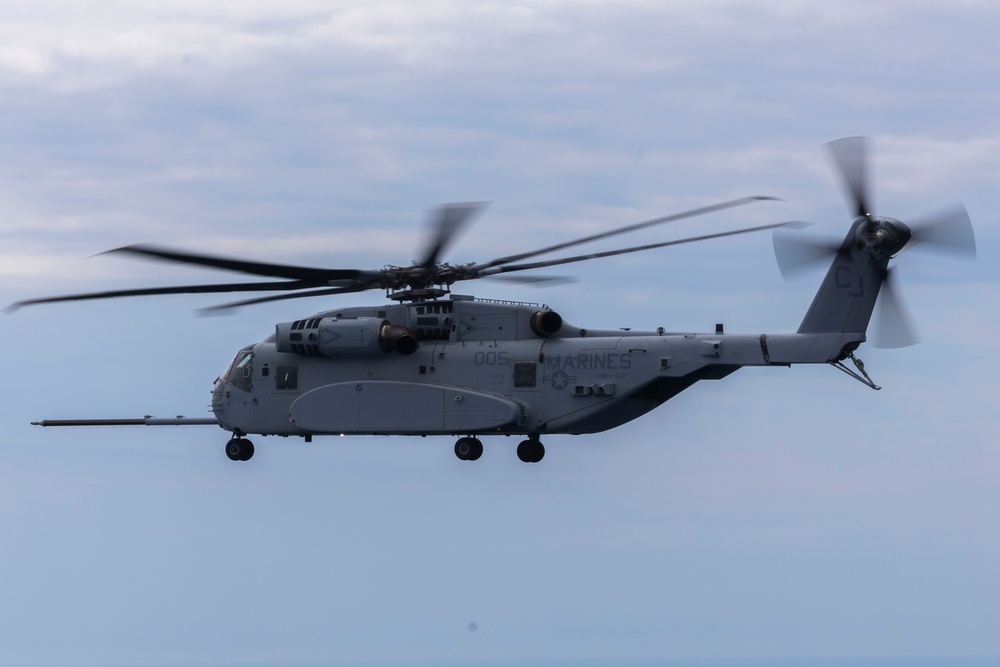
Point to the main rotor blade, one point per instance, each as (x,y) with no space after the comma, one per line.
(535,281)
(243,266)
(447,221)
(850,155)
(181,289)
(629,228)
(893,327)
(623,251)
(949,232)
(281,297)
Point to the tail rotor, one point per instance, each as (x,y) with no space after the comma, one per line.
(878,239)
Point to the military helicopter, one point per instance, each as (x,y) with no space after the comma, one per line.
(431,362)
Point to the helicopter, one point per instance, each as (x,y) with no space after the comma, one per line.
(432,362)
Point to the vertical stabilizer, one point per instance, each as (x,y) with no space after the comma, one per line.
(846,298)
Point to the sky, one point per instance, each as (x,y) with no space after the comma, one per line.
(779,513)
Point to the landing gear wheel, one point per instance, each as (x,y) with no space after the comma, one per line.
(531,451)
(247,451)
(477,449)
(239,449)
(468,449)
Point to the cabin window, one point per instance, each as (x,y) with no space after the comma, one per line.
(286,377)
(525,374)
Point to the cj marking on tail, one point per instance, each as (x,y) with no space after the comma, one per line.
(845,280)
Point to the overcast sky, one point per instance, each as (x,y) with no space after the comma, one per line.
(776,513)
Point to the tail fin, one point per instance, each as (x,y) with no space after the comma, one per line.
(846,298)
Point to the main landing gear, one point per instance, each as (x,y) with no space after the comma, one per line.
(531,450)
(239,449)
(468,449)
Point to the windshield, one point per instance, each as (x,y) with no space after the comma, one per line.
(240,372)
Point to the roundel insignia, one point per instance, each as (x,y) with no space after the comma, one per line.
(559,380)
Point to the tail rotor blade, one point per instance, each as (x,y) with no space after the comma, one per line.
(797,254)
(893,327)
(850,155)
(948,232)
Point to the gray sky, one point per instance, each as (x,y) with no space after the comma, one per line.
(775,513)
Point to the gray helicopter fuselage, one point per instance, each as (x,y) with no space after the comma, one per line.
(478,367)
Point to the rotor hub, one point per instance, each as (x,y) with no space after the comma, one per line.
(881,237)
(417,294)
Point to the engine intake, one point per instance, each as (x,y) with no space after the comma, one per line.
(343,337)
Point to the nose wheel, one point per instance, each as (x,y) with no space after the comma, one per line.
(468,449)
(239,449)
(531,450)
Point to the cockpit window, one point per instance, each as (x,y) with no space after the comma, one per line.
(241,372)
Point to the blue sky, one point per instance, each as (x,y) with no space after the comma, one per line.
(779,512)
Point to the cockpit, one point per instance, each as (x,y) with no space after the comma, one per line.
(240,372)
